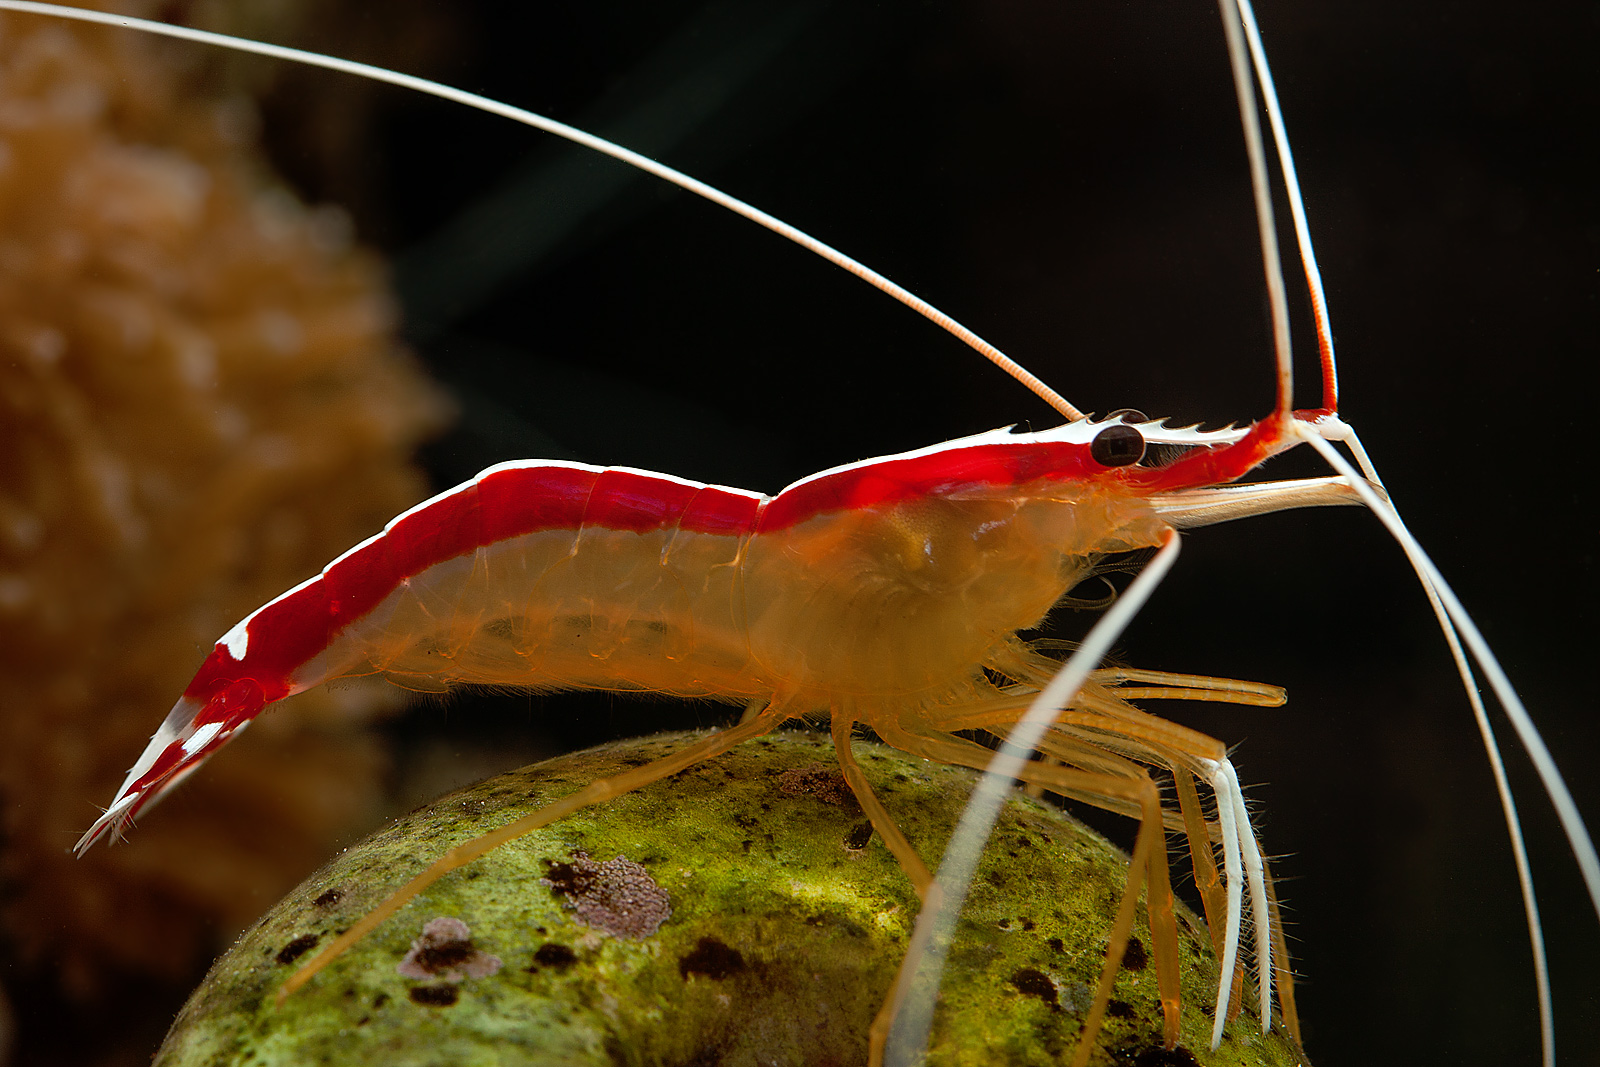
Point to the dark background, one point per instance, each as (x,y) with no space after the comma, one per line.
(1068,178)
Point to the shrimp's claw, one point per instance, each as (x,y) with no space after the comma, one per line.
(191,732)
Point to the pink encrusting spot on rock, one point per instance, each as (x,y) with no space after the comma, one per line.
(618,897)
(445,951)
(817,780)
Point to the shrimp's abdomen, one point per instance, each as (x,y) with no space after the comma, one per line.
(622,580)
(534,574)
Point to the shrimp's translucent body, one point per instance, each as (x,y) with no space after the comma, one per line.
(888,585)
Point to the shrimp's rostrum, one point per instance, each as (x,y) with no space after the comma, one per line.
(1096,241)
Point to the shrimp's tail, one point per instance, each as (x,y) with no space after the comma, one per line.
(191,732)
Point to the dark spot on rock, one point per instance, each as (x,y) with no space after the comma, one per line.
(1133,957)
(711,958)
(379,1001)
(618,896)
(1057,944)
(1004,924)
(1156,1056)
(859,835)
(435,958)
(329,899)
(817,780)
(1119,1009)
(445,950)
(435,996)
(745,845)
(1027,925)
(557,957)
(745,822)
(1032,983)
(297,948)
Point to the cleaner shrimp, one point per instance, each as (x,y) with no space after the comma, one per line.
(1079,325)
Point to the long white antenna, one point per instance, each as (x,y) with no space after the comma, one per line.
(1297,208)
(587,140)
(1260,185)
(1549,774)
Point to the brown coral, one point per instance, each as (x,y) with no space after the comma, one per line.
(200,403)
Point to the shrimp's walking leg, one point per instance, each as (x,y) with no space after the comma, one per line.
(1213,896)
(762,722)
(1201,855)
(1239,840)
(1283,973)
(1256,879)
(1149,860)
(895,839)
(881,820)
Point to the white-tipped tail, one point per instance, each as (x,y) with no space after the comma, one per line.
(141,788)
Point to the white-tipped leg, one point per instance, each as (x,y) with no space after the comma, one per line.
(1222,784)
(1260,916)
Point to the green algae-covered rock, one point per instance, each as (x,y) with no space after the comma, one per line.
(740,912)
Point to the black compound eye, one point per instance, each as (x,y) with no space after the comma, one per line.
(1117,446)
(1128,415)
